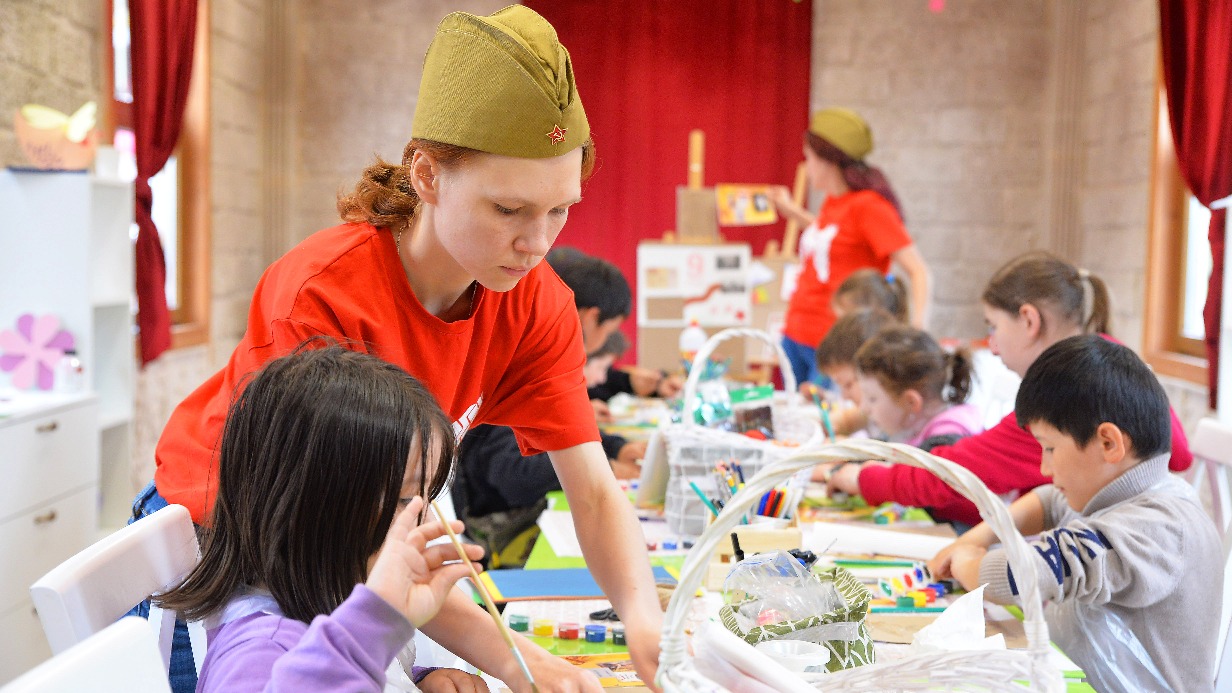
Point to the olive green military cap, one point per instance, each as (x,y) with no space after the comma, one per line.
(501,84)
(845,129)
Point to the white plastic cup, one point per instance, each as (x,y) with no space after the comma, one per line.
(798,656)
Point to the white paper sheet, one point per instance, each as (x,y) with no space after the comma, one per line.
(853,538)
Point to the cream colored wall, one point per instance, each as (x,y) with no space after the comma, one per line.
(49,54)
(954,100)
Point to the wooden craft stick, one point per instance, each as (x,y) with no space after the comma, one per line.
(487,598)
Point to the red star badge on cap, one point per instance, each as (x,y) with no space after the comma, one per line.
(557,135)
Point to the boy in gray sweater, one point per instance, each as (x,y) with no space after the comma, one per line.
(1129,564)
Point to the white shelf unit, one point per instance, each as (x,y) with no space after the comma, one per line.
(65,250)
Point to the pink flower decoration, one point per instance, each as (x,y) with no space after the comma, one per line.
(31,352)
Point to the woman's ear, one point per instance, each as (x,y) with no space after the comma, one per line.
(1114,444)
(1032,320)
(424,170)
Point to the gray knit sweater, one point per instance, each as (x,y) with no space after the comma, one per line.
(1133,585)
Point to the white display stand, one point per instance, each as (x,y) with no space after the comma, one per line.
(66,251)
(681,282)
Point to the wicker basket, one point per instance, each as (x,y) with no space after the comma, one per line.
(982,670)
(693,450)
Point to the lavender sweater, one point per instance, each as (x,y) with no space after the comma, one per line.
(253,647)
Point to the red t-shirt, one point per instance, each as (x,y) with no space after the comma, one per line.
(517,361)
(853,231)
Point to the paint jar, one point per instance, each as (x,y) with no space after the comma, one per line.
(544,627)
(519,622)
(618,635)
(596,633)
(567,631)
(905,602)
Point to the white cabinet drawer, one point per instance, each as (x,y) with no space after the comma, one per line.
(25,646)
(46,456)
(37,541)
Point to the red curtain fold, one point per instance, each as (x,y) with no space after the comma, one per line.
(1196,37)
(163,32)
(649,72)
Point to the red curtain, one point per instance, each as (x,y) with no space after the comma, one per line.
(649,72)
(162,51)
(1197,59)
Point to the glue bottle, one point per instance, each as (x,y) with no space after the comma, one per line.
(692,339)
(69,375)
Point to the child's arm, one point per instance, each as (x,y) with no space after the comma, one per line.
(961,560)
(411,576)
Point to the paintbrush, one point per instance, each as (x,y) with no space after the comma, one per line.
(487,598)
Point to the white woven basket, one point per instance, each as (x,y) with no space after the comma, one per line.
(692,450)
(984,670)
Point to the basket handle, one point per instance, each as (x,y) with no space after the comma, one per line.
(703,355)
(992,509)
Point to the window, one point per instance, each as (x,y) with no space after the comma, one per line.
(1178,265)
(181,189)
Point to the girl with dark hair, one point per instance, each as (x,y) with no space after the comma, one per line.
(1031,303)
(326,457)
(860,225)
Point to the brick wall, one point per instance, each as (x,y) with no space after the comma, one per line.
(954,100)
(50,54)
(356,77)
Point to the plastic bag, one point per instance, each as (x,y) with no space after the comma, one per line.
(1109,653)
(774,587)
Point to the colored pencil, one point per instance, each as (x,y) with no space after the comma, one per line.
(906,609)
(487,598)
(709,505)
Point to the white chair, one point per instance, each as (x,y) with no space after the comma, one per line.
(1212,450)
(94,588)
(121,658)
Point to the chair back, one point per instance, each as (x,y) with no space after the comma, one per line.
(1212,450)
(121,658)
(94,588)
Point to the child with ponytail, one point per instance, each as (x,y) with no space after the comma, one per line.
(1031,303)
(913,390)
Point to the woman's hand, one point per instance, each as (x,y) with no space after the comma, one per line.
(552,675)
(644,650)
(451,681)
(411,576)
(780,195)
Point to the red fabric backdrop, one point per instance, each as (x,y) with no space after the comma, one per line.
(162,52)
(1197,59)
(649,72)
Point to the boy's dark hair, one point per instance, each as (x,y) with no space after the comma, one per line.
(310,471)
(595,283)
(868,288)
(616,345)
(849,334)
(1084,381)
(904,358)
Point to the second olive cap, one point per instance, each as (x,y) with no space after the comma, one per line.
(845,129)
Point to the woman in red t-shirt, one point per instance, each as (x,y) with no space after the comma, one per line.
(438,269)
(859,225)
